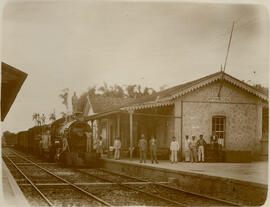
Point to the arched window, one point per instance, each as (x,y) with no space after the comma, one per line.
(219,127)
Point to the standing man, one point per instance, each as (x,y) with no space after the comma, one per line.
(200,144)
(187,151)
(153,149)
(88,141)
(117,147)
(174,147)
(64,148)
(193,150)
(38,120)
(43,118)
(99,147)
(214,143)
(142,148)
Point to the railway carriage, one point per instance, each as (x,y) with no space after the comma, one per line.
(22,141)
(34,137)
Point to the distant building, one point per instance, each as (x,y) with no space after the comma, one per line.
(218,103)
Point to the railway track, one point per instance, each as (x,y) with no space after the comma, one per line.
(130,194)
(158,190)
(172,188)
(50,201)
(116,185)
(136,189)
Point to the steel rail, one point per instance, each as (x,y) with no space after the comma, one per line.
(170,187)
(135,189)
(66,181)
(25,176)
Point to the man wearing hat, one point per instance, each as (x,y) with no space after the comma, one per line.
(174,147)
(142,148)
(193,150)
(187,150)
(200,144)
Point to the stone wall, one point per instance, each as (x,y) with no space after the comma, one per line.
(240,192)
(240,126)
(239,108)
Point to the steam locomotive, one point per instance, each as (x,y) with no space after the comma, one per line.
(67,140)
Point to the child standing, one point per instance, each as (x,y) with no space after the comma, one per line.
(174,149)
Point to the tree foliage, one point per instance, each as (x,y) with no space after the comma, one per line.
(7,135)
(261,88)
(115,91)
(64,97)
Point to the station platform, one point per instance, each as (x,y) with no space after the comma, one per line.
(11,192)
(242,183)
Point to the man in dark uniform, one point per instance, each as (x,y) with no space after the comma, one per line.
(153,149)
(142,148)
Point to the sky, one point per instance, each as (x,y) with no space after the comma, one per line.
(78,44)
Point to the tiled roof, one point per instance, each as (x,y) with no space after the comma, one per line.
(167,97)
(101,104)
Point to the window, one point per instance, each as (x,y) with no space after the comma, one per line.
(219,126)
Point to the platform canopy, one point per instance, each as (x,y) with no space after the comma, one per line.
(12,80)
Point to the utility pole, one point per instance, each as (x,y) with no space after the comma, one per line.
(225,63)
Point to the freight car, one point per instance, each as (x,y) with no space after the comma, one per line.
(22,141)
(34,139)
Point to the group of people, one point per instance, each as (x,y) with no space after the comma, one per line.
(190,153)
(40,120)
(142,145)
(193,149)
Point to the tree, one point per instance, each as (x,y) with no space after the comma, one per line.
(104,89)
(92,91)
(115,91)
(8,138)
(148,91)
(163,87)
(64,96)
(130,89)
(119,91)
(261,88)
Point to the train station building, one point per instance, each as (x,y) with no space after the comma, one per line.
(219,103)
